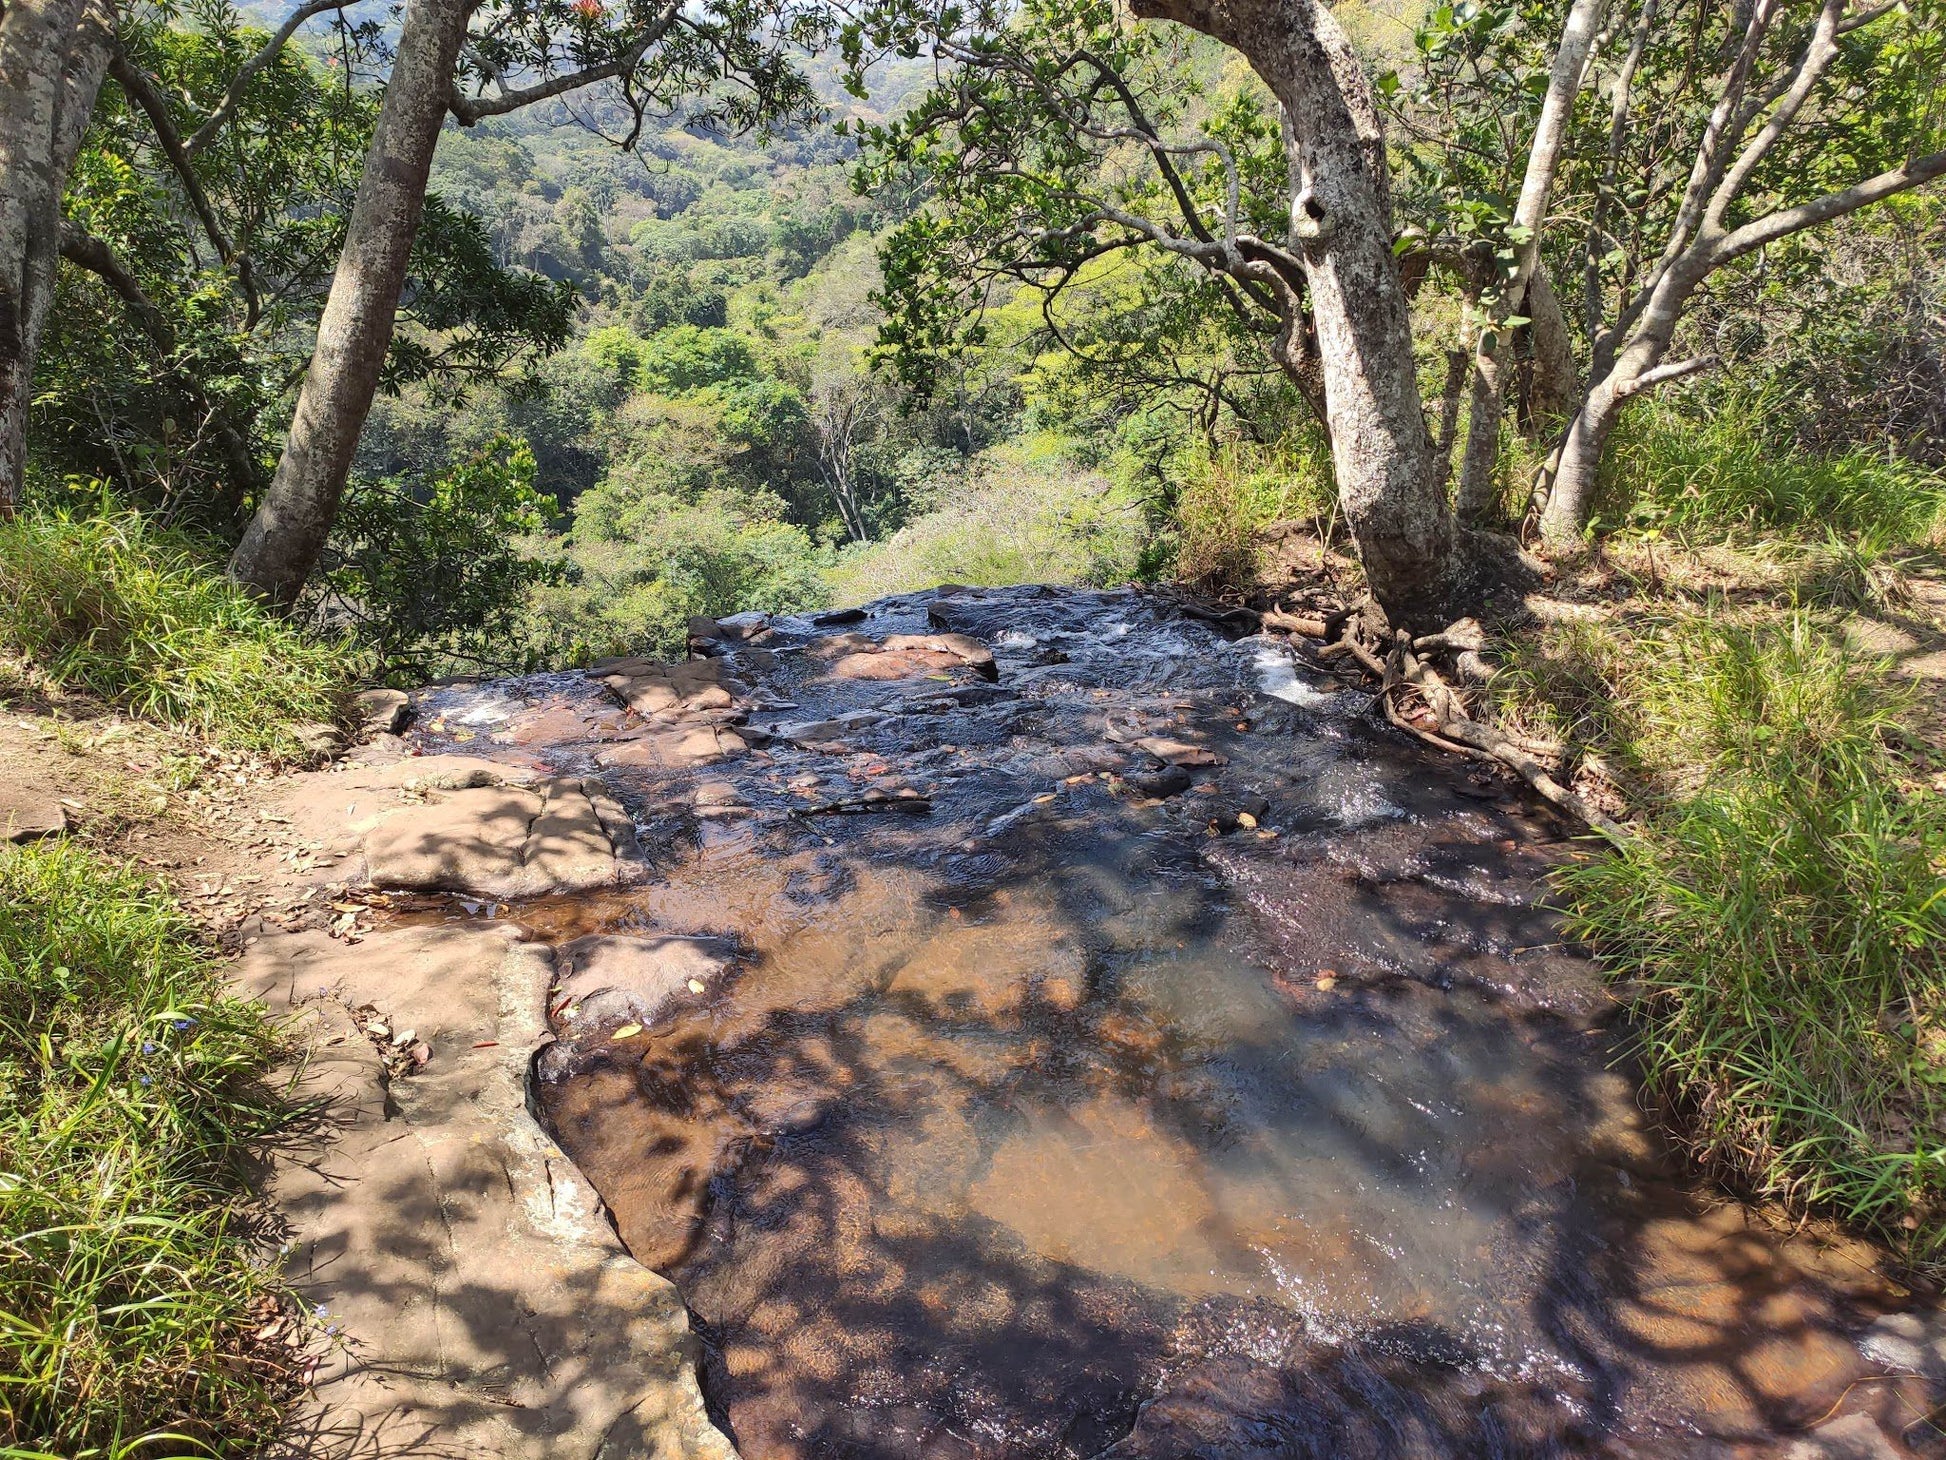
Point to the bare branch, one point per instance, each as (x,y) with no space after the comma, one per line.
(142,90)
(1786,221)
(1663,374)
(468,110)
(80,247)
(247,72)
(1819,52)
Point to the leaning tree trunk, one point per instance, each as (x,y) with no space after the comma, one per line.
(1476,488)
(1382,455)
(1571,497)
(52,57)
(282,544)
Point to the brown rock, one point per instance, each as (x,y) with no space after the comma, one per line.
(27,815)
(485,1307)
(607,979)
(501,841)
(382,712)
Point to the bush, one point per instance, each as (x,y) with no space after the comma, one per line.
(634,593)
(1781,919)
(1730,473)
(433,572)
(130,1090)
(108,605)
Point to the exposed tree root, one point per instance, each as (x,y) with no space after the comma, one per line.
(1407,667)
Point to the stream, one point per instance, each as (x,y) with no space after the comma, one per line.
(1142,1052)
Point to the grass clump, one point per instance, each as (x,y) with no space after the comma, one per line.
(1780,920)
(1729,473)
(109,606)
(130,1089)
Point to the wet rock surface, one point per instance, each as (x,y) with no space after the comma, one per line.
(1121,1045)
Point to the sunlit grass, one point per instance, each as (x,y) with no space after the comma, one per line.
(132,1272)
(107,606)
(1779,921)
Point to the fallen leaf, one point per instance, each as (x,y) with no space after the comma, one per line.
(1245,819)
(1327,981)
(486,1044)
(627,1031)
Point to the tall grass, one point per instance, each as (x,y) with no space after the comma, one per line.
(1781,919)
(107,605)
(1730,472)
(130,1089)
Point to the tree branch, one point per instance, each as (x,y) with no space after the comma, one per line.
(1662,374)
(1786,221)
(246,73)
(142,91)
(80,247)
(467,110)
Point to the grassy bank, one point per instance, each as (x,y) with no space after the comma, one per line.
(1779,924)
(110,607)
(133,1292)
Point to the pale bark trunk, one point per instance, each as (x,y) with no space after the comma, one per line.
(52,56)
(1382,454)
(1553,383)
(1530,211)
(282,544)
(1572,495)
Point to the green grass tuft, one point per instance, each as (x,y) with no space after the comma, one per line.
(1780,922)
(109,606)
(131,1088)
(1729,474)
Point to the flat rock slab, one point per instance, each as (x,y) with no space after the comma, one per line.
(902,656)
(652,687)
(555,836)
(485,1308)
(27,815)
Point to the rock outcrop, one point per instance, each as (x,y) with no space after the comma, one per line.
(482,1305)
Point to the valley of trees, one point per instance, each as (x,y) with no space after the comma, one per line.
(705,310)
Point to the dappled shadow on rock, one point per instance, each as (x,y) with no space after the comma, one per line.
(1269,1116)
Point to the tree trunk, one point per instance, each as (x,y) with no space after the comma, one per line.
(1571,496)
(1553,383)
(1530,212)
(52,57)
(1382,454)
(282,544)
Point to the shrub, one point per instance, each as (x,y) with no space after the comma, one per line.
(130,1089)
(108,605)
(722,553)
(1019,520)
(434,573)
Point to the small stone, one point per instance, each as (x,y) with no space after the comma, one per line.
(318,739)
(382,711)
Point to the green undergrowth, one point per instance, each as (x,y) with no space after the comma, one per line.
(133,1280)
(108,606)
(1779,922)
(1731,474)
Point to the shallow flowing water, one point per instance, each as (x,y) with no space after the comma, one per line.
(1062,1110)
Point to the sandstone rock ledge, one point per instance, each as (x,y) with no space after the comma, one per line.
(484,1307)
